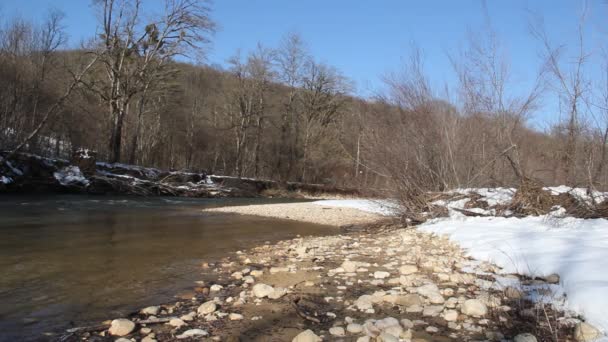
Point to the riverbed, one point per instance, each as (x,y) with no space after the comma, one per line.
(69,260)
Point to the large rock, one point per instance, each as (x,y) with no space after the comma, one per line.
(526,337)
(262,290)
(409,300)
(337,331)
(207,308)
(474,307)
(354,328)
(121,327)
(585,332)
(306,336)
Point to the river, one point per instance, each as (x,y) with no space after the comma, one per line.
(68,260)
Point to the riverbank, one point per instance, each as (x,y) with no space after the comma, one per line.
(383,283)
(305,212)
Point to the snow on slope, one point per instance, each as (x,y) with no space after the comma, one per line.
(576,249)
(384,207)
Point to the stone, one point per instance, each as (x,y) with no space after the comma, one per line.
(382,324)
(147,339)
(409,300)
(395,330)
(526,337)
(277,293)
(552,278)
(386,337)
(349,266)
(432,310)
(513,293)
(176,322)
(354,328)
(381,274)
(150,310)
(337,331)
(474,307)
(256,273)
(364,339)
(262,290)
(193,333)
(188,317)
(145,331)
(407,324)
(408,269)
(364,302)
(216,288)
(306,336)
(427,290)
(235,317)
(121,327)
(450,315)
(122,339)
(585,332)
(207,308)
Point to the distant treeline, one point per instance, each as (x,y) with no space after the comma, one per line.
(278,113)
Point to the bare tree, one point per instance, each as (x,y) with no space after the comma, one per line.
(135,55)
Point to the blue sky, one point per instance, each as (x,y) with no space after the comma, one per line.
(366,39)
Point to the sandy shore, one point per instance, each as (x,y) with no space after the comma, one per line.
(305,212)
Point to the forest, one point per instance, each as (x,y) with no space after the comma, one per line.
(140,92)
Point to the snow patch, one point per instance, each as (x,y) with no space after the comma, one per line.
(71,175)
(576,249)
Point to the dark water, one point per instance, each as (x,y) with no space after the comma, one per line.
(82,259)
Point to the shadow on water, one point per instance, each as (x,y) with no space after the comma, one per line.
(68,260)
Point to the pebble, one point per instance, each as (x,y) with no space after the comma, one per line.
(207,308)
(150,310)
(354,328)
(176,322)
(262,290)
(235,317)
(337,331)
(307,336)
(121,327)
(192,333)
(474,307)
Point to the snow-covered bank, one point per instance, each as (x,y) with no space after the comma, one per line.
(576,249)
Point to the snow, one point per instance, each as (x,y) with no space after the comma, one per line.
(5,180)
(384,207)
(576,249)
(70,175)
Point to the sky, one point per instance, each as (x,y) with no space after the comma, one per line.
(367,39)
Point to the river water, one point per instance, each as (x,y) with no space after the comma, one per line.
(71,260)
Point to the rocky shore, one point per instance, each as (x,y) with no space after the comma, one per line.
(384,283)
(305,212)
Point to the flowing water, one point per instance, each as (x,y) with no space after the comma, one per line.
(72,260)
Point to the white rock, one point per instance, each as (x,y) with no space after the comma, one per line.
(206,308)
(408,269)
(262,290)
(364,302)
(382,324)
(306,336)
(192,333)
(354,328)
(527,337)
(215,288)
(381,274)
(337,331)
(450,315)
(235,317)
(256,273)
(364,339)
(407,324)
(585,332)
(349,266)
(176,322)
(432,310)
(474,307)
(277,293)
(121,327)
(150,310)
